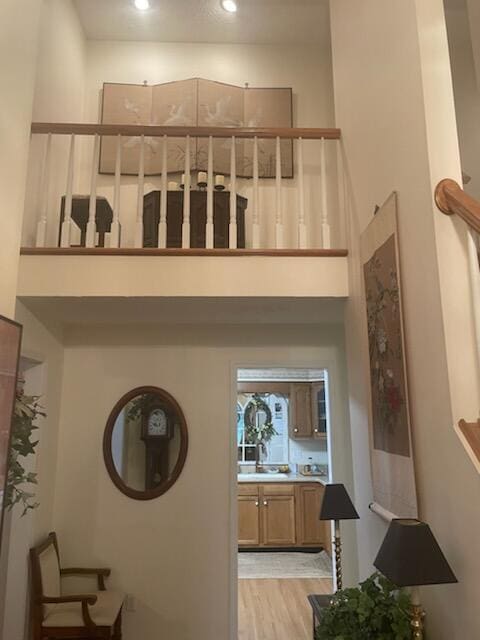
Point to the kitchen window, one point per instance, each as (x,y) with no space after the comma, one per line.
(277,447)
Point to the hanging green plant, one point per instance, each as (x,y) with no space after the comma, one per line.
(26,411)
(257,432)
(376,609)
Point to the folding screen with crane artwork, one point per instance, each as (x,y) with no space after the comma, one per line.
(197,103)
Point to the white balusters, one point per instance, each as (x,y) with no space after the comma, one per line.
(324,213)
(209,232)
(141,188)
(92,209)
(186,198)
(41,236)
(232,227)
(162,225)
(256,203)
(278,198)
(302,227)
(67,220)
(115,227)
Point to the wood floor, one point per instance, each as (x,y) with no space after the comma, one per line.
(277,609)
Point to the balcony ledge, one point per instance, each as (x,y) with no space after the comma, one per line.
(107,273)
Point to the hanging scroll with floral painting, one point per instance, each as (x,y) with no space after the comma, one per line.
(391,441)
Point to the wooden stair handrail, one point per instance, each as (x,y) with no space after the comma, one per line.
(451,199)
(132,130)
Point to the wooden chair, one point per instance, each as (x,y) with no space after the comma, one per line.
(94,615)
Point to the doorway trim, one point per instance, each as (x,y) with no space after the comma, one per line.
(333,410)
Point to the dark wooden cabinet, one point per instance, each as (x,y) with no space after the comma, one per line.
(80,214)
(198,219)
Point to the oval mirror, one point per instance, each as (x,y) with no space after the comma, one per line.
(145,443)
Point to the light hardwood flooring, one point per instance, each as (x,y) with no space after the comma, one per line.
(277,609)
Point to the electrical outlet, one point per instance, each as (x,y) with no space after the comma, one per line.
(130,604)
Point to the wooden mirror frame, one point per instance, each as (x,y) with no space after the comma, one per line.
(163,487)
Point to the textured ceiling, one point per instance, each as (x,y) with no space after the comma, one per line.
(257,21)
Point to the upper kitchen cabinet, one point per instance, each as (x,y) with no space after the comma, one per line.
(319,410)
(301,425)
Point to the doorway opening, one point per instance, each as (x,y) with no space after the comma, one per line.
(283,463)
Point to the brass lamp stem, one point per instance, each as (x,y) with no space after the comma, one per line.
(417,615)
(337,544)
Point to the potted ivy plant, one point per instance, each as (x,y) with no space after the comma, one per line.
(26,411)
(376,610)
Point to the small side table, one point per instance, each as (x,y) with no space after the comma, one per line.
(318,604)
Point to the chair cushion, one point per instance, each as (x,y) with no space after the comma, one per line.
(103,613)
(50,572)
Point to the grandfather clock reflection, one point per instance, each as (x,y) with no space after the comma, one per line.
(157,431)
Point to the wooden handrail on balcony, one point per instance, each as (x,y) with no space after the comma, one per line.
(133,130)
(451,199)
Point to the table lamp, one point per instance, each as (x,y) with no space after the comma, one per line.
(337,506)
(410,557)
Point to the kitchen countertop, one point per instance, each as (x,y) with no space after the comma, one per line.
(262,478)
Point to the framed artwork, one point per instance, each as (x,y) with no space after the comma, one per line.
(196,102)
(10,340)
(391,442)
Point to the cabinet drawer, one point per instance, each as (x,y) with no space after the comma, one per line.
(247,489)
(278,489)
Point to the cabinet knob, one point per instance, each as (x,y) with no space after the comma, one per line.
(317,430)
(265,503)
(256,503)
(295,430)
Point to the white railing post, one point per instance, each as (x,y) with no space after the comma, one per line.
(325,224)
(278,194)
(115,226)
(67,220)
(256,203)
(302,227)
(92,209)
(141,188)
(209,230)
(41,237)
(186,198)
(162,225)
(232,227)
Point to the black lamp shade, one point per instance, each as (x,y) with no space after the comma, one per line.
(337,505)
(410,556)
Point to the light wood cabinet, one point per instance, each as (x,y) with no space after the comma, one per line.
(278,516)
(248,521)
(311,531)
(300,421)
(319,410)
(281,515)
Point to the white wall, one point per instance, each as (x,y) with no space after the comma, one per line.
(59,97)
(174,554)
(307,69)
(18,44)
(399,134)
(461,29)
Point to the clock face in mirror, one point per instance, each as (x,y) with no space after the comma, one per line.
(157,424)
(145,443)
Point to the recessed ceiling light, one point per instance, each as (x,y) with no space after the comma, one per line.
(142,5)
(229,5)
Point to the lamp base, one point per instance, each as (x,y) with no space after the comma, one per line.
(418,615)
(337,544)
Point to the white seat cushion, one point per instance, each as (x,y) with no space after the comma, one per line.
(103,613)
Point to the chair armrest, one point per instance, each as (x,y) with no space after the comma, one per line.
(85,600)
(79,571)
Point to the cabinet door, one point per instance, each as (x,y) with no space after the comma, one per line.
(310,530)
(300,422)
(248,521)
(278,520)
(319,410)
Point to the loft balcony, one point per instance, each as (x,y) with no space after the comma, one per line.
(102,221)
